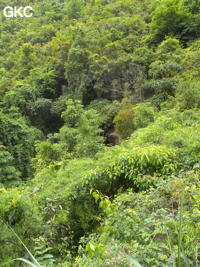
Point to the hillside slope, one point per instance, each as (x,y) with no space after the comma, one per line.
(99,133)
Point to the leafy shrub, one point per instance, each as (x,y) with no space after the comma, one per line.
(89,141)
(129,119)
(8,173)
(188,95)
(47,153)
(19,140)
(139,231)
(18,210)
(65,191)
(143,115)
(107,111)
(81,133)
(170,18)
(123,121)
(175,130)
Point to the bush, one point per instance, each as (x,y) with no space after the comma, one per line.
(47,153)
(170,18)
(8,174)
(175,130)
(123,122)
(138,225)
(129,119)
(19,140)
(65,193)
(20,211)
(188,94)
(143,115)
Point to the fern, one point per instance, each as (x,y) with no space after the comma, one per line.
(45,259)
(42,252)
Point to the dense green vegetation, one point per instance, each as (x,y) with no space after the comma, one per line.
(99,134)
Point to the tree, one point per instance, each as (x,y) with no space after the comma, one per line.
(171,17)
(89,140)
(8,172)
(123,121)
(18,139)
(81,132)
